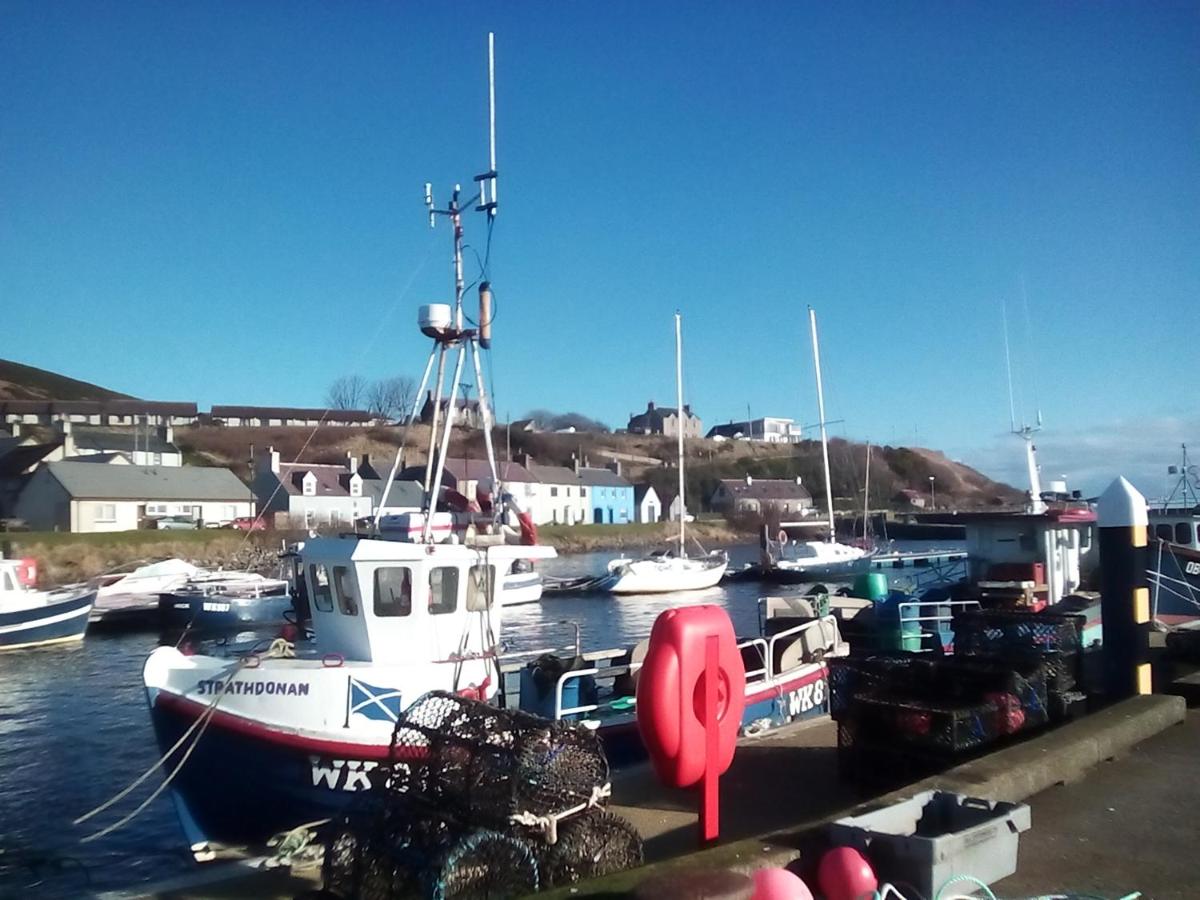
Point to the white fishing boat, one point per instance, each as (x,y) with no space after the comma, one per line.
(667,571)
(521,584)
(33,618)
(800,558)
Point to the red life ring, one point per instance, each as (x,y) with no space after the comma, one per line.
(671,690)
(783,536)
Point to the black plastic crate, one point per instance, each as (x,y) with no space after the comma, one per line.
(994,630)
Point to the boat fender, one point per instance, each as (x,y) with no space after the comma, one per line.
(671,693)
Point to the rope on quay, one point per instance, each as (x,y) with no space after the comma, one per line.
(279,648)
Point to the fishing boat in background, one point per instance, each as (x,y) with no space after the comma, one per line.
(219,601)
(521,584)
(667,571)
(33,618)
(1174,534)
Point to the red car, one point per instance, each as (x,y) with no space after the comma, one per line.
(249,523)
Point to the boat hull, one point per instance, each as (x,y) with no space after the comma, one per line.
(1174,579)
(246,781)
(520,588)
(669,576)
(58,622)
(217,611)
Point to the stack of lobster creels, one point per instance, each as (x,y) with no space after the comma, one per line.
(480,802)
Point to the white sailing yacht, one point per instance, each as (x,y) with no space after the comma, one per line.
(667,571)
(806,560)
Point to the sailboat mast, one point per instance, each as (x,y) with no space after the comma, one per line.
(867,494)
(816,349)
(679,424)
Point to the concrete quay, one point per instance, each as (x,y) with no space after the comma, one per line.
(784,785)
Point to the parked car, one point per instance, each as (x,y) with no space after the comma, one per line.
(249,523)
(175,523)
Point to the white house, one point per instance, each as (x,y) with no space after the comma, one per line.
(140,445)
(558,495)
(86,497)
(784,496)
(309,495)
(768,429)
(647,507)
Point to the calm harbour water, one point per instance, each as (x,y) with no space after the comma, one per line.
(74,730)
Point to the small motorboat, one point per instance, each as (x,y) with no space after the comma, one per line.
(33,618)
(520,585)
(128,600)
(237,600)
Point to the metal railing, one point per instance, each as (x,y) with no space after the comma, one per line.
(911,612)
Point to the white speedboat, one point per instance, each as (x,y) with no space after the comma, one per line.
(521,584)
(129,600)
(667,571)
(33,618)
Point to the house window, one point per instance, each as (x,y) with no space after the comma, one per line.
(157,459)
(443,590)
(345,591)
(156,509)
(553,492)
(393,592)
(106,512)
(583,493)
(318,585)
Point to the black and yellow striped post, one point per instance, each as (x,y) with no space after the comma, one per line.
(1125,593)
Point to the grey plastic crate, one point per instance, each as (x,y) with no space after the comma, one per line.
(935,835)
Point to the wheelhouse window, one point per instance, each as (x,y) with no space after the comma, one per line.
(318,582)
(1164,532)
(480,588)
(1183,532)
(443,590)
(393,591)
(344,586)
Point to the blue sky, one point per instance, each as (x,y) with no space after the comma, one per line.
(222,202)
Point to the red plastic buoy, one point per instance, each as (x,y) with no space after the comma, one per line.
(845,874)
(779,884)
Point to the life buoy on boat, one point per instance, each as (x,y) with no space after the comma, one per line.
(783,536)
(671,693)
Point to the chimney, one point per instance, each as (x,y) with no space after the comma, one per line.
(749,480)
(64,428)
(15,429)
(687,409)
(575,463)
(351,463)
(524,459)
(366,461)
(615,466)
(650,406)
(269,461)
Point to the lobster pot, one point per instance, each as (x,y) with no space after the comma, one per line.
(480,764)
(942,727)
(589,845)
(382,858)
(851,675)
(1001,630)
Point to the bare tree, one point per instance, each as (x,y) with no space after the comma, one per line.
(347,392)
(392,398)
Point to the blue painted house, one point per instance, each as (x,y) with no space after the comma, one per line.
(607,495)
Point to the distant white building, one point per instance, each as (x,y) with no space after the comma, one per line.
(557,495)
(86,497)
(768,429)
(309,495)
(646,505)
(785,496)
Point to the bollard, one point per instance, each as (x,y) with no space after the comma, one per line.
(1125,594)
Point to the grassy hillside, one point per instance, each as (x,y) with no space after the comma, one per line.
(21,382)
(892,468)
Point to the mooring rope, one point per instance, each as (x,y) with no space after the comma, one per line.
(279,648)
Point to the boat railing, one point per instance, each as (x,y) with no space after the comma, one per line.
(762,673)
(917,614)
(561,712)
(831,638)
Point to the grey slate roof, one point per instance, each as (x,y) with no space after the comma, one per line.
(766,489)
(98,482)
(553,474)
(402,494)
(602,478)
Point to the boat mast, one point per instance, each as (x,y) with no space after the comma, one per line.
(816,350)
(867,493)
(679,424)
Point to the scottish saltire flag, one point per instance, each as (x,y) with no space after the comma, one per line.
(381,704)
